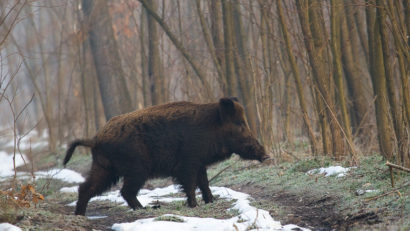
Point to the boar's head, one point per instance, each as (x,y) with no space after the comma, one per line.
(236,135)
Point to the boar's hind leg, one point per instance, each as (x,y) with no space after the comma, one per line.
(130,190)
(203,184)
(97,182)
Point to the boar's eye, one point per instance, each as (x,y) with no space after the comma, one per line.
(241,125)
(238,123)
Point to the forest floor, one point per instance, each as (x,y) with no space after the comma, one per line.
(291,196)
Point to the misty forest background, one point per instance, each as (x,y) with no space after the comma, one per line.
(318,77)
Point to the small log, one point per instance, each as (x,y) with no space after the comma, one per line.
(397,166)
(387,193)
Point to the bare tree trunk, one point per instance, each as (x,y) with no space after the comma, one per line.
(232,85)
(210,45)
(144,76)
(335,19)
(360,23)
(396,113)
(323,121)
(114,92)
(198,71)
(81,52)
(385,133)
(298,82)
(154,60)
(398,23)
(215,11)
(356,81)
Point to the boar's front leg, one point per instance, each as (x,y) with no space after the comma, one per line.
(188,178)
(203,185)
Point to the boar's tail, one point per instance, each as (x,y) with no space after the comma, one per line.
(74,144)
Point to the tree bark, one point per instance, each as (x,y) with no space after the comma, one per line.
(335,20)
(385,133)
(209,43)
(146,95)
(316,49)
(232,85)
(356,81)
(396,113)
(154,59)
(114,92)
(215,11)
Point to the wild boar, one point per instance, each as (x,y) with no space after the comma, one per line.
(177,140)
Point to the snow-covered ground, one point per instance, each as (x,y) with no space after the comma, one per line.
(248,219)
(339,171)
(32,140)
(6,163)
(8,227)
(72,189)
(66,175)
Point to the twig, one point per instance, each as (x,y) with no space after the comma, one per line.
(387,193)
(397,166)
(220,172)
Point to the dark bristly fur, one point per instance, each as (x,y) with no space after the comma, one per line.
(176,139)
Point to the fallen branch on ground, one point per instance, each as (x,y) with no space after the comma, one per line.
(387,193)
(391,166)
(397,167)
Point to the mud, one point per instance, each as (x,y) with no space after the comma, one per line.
(315,212)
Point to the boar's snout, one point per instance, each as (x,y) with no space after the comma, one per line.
(253,151)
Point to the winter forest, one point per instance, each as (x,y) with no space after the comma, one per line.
(322,83)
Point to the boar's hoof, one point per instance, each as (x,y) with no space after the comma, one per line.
(263,158)
(209,199)
(192,204)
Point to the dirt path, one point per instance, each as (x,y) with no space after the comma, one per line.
(306,210)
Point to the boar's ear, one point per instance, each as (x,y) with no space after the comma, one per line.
(234,98)
(226,108)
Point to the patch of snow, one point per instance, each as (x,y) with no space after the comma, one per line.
(250,217)
(9,227)
(96,217)
(72,203)
(72,189)
(145,196)
(360,192)
(67,175)
(6,163)
(330,171)
(291,227)
(371,190)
